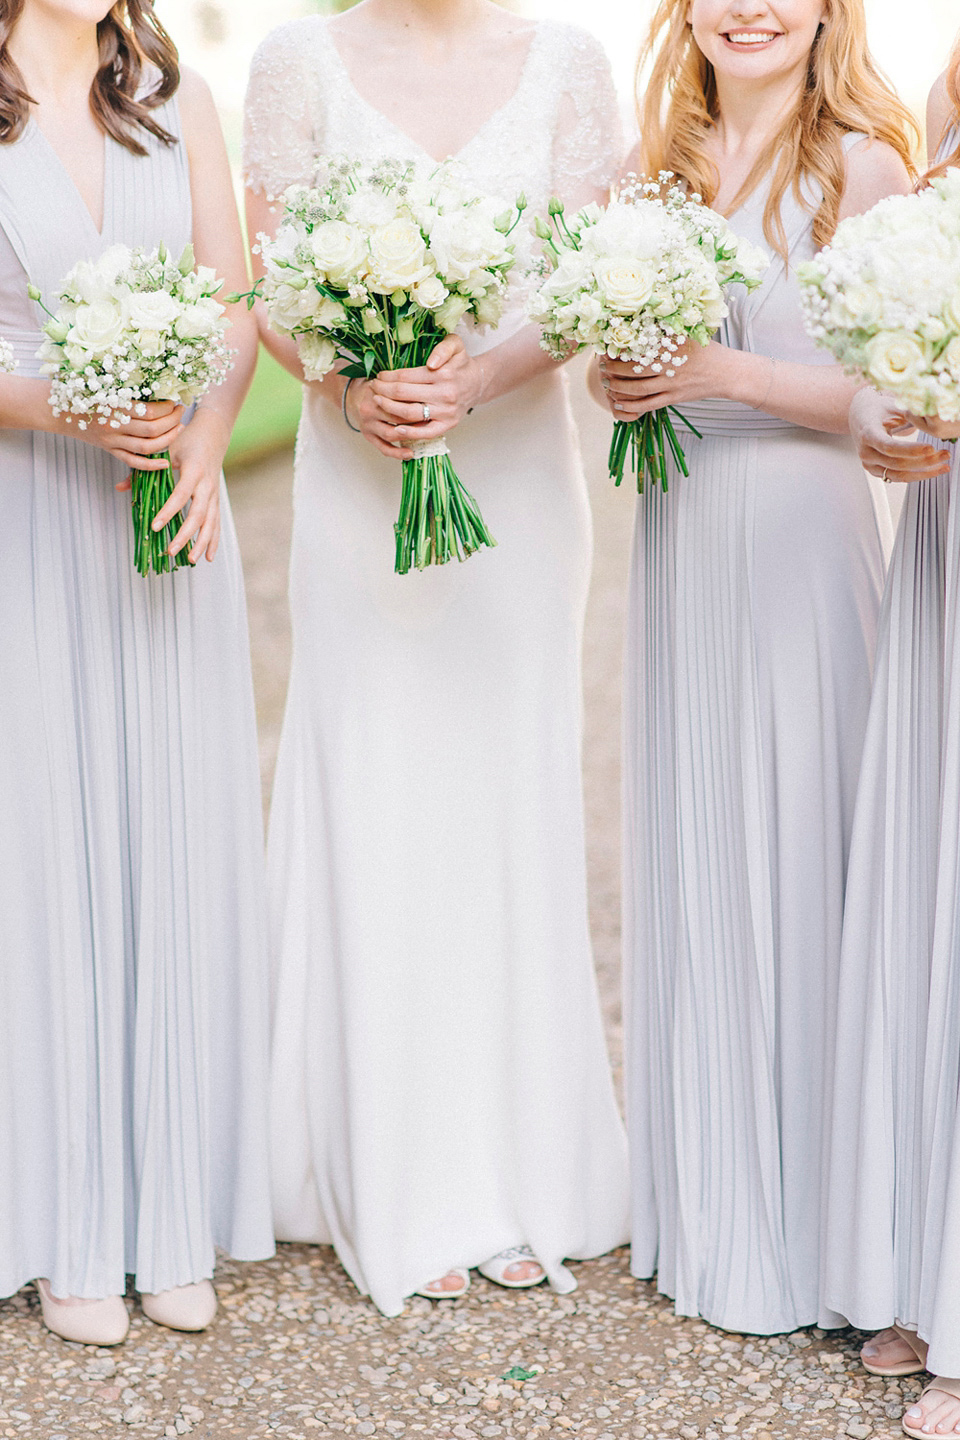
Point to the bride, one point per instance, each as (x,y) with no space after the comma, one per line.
(441,1092)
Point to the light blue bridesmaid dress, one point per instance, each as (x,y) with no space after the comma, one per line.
(133,1004)
(893,1238)
(753,608)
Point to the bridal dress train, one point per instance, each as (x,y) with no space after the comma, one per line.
(893,1239)
(441,1088)
(133,980)
(754,600)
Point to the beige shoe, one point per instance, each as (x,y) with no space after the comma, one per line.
(188,1307)
(86,1322)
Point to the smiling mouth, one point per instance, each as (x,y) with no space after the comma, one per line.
(750,39)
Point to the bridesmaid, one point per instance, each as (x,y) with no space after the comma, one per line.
(894,1207)
(132,989)
(441,1090)
(753,609)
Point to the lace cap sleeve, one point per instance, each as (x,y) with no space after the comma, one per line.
(588,139)
(281,112)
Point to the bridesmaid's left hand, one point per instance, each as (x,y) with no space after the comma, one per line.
(631,394)
(197,454)
(449,385)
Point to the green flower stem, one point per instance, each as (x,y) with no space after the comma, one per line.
(439,520)
(151,491)
(647,442)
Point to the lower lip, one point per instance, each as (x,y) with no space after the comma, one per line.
(750,49)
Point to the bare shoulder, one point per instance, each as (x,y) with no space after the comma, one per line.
(633,165)
(873,171)
(940,115)
(196,100)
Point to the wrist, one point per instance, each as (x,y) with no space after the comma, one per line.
(751,378)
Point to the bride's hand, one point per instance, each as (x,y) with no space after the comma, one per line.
(136,442)
(631,394)
(447,387)
(885,439)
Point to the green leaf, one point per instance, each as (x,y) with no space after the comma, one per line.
(369,363)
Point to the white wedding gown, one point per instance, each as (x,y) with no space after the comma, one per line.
(441,1089)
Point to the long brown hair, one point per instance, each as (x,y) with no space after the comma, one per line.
(130,38)
(843,91)
(953,92)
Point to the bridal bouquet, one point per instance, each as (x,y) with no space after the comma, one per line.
(637,281)
(7,361)
(884,297)
(375,265)
(135,326)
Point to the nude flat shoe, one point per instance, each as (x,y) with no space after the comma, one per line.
(85,1322)
(187,1307)
(495,1269)
(949,1387)
(903,1367)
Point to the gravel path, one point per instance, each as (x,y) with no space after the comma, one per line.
(295,1352)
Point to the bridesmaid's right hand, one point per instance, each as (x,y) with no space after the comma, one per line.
(884,436)
(136,442)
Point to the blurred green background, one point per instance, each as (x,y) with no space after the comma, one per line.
(269,416)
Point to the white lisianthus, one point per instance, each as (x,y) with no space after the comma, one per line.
(398,257)
(489,308)
(452,311)
(318,355)
(198,320)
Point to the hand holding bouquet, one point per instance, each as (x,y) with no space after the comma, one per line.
(884,298)
(638,281)
(376,265)
(135,326)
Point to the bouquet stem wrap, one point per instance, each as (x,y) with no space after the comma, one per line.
(439,519)
(151,491)
(647,443)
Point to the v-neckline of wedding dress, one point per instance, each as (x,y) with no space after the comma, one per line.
(525,72)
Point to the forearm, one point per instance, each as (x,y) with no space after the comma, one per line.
(25,405)
(225,400)
(815,396)
(507,366)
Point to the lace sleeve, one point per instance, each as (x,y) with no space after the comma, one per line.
(280,139)
(588,139)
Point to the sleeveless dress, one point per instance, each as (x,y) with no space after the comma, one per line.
(754,596)
(893,1237)
(441,1088)
(133,981)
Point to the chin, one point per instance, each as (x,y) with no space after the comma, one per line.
(88,12)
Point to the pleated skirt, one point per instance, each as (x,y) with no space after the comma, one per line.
(133,987)
(754,595)
(893,1237)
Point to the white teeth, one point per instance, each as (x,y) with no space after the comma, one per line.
(752,37)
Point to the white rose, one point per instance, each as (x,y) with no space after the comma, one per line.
(169,386)
(98,280)
(430,293)
(858,305)
(318,355)
(398,257)
(150,343)
(339,251)
(197,321)
(151,310)
(97,327)
(464,242)
(894,359)
(626,285)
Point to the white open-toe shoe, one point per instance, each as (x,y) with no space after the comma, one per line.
(85,1322)
(462,1275)
(187,1307)
(496,1268)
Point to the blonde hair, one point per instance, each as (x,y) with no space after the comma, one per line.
(953,93)
(844,91)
